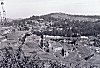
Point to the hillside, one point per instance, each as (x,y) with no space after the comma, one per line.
(71,17)
(22,47)
(66,23)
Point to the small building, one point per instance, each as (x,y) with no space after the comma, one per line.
(84,37)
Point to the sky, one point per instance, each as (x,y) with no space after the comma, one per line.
(27,8)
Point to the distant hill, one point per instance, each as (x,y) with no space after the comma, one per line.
(71,17)
(63,15)
(56,16)
(82,24)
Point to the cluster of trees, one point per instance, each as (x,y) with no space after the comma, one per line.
(86,28)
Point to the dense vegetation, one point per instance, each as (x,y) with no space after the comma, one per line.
(83,25)
(10,58)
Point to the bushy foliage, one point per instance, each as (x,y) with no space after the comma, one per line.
(10,58)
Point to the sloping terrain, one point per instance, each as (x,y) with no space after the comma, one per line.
(62,45)
(62,24)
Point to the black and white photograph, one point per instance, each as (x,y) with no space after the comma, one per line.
(49,33)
